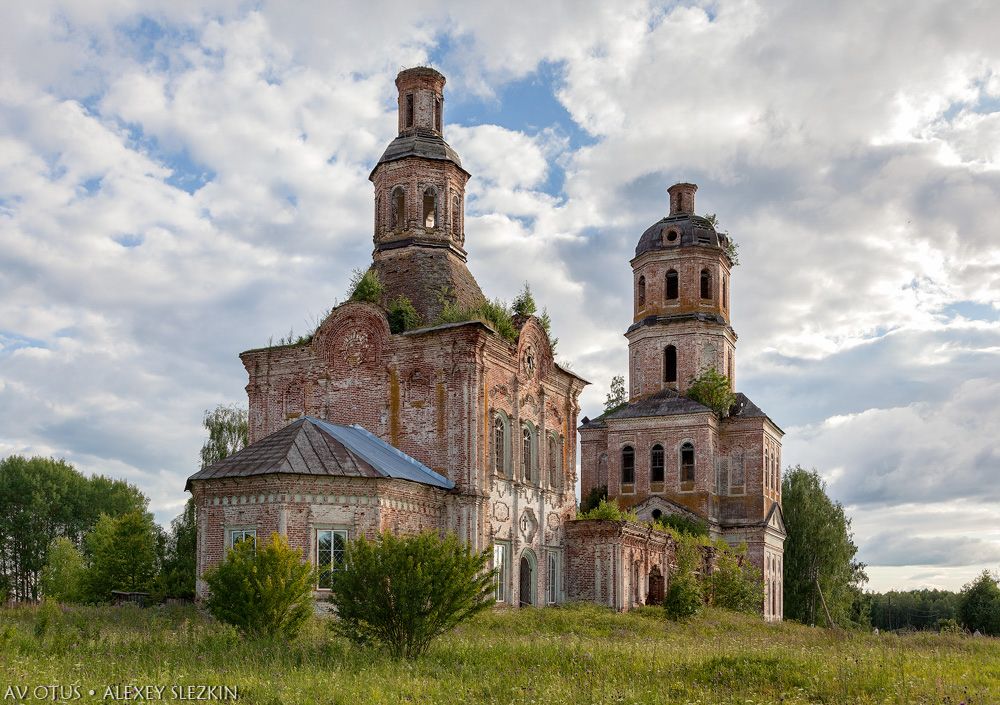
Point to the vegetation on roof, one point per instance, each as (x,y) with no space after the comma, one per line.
(617,398)
(366,286)
(713,390)
(730,245)
(495,314)
(402,315)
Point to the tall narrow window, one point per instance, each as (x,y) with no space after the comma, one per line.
(555,462)
(656,464)
(706,284)
(398,219)
(430,208)
(499,445)
(672,284)
(456,216)
(628,466)
(330,546)
(552,592)
(641,292)
(500,566)
(437,115)
(687,462)
(725,295)
(526,454)
(409,110)
(670,364)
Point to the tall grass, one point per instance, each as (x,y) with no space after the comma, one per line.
(575,654)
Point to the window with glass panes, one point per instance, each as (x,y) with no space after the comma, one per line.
(500,566)
(330,545)
(238,535)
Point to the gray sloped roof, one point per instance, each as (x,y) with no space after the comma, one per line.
(420,143)
(311,446)
(666,402)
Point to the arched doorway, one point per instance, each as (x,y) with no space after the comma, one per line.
(526,593)
(655,595)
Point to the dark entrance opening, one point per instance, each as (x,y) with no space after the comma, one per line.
(527,580)
(655,594)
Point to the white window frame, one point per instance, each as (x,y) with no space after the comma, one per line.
(501,563)
(244,533)
(319,566)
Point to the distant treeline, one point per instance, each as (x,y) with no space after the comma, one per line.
(913,610)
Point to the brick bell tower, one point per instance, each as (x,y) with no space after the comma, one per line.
(681,301)
(420,204)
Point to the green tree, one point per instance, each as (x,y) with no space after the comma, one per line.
(979,606)
(524,303)
(262,590)
(227,433)
(402,592)
(179,567)
(593,498)
(122,554)
(713,390)
(819,547)
(42,499)
(62,577)
(617,396)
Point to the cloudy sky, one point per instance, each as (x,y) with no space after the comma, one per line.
(182,181)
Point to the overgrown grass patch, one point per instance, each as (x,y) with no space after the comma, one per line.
(572,654)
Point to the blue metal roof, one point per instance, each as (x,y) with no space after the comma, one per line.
(387,459)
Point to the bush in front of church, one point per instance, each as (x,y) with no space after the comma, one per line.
(262,590)
(685,596)
(401,592)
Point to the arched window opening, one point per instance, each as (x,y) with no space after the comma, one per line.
(456,216)
(499,445)
(641,292)
(670,364)
(672,291)
(437,114)
(725,295)
(687,462)
(706,284)
(657,514)
(656,464)
(409,110)
(526,453)
(398,208)
(628,465)
(430,208)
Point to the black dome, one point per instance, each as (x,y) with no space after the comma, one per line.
(690,230)
(426,145)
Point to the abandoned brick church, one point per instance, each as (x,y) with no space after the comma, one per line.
(453,427)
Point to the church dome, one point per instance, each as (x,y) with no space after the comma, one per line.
(679,230)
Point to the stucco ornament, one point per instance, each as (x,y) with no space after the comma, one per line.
(355,347)
(501,512)
(528,525)
(529,363)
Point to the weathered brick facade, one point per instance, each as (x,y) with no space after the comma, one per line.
(664,454)
(497,418)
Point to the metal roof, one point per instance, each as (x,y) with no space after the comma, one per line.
(690,230)
(311,446)
(420,143)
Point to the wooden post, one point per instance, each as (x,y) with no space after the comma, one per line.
(823,600)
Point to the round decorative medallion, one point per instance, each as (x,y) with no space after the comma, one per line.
(500,511)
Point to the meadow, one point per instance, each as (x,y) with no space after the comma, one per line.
(576,654)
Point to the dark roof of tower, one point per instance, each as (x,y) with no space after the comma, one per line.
(669,402)
(666,402)
(311,446)
(692,230)
(424,144)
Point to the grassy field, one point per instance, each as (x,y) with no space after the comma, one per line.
(578,654)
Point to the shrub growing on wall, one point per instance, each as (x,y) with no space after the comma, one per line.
(401,592)
(712,390)
(262,590)
(366,286)
(736,584)
(608,509)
